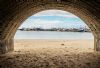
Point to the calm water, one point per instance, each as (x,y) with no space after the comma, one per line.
(52,35)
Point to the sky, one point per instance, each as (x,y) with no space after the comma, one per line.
(53,19)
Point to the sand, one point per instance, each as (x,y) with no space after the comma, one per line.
(52,54)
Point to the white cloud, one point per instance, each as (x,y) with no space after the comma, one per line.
(44,23)
(40,23)
(55,13)
(30,23)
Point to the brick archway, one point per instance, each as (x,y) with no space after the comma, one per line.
(14,12)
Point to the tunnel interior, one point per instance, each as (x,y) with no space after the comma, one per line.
(13,13)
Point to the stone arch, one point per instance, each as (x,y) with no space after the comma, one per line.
(20,10)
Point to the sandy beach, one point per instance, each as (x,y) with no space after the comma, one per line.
(51,54)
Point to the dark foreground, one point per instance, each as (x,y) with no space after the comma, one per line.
(26,59)
(52,54)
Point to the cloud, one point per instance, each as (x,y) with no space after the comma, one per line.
(39,21)
(55,13)
(29,23)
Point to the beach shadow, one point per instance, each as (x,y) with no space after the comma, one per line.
(27,59)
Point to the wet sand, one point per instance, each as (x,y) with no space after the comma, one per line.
(52,54)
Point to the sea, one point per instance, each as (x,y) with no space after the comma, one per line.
(53,35)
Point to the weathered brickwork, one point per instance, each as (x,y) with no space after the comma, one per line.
(14,12)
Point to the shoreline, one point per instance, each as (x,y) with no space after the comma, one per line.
(80,45)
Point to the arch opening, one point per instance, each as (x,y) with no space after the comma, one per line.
(59,21)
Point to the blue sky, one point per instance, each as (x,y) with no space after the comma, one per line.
(53,19)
